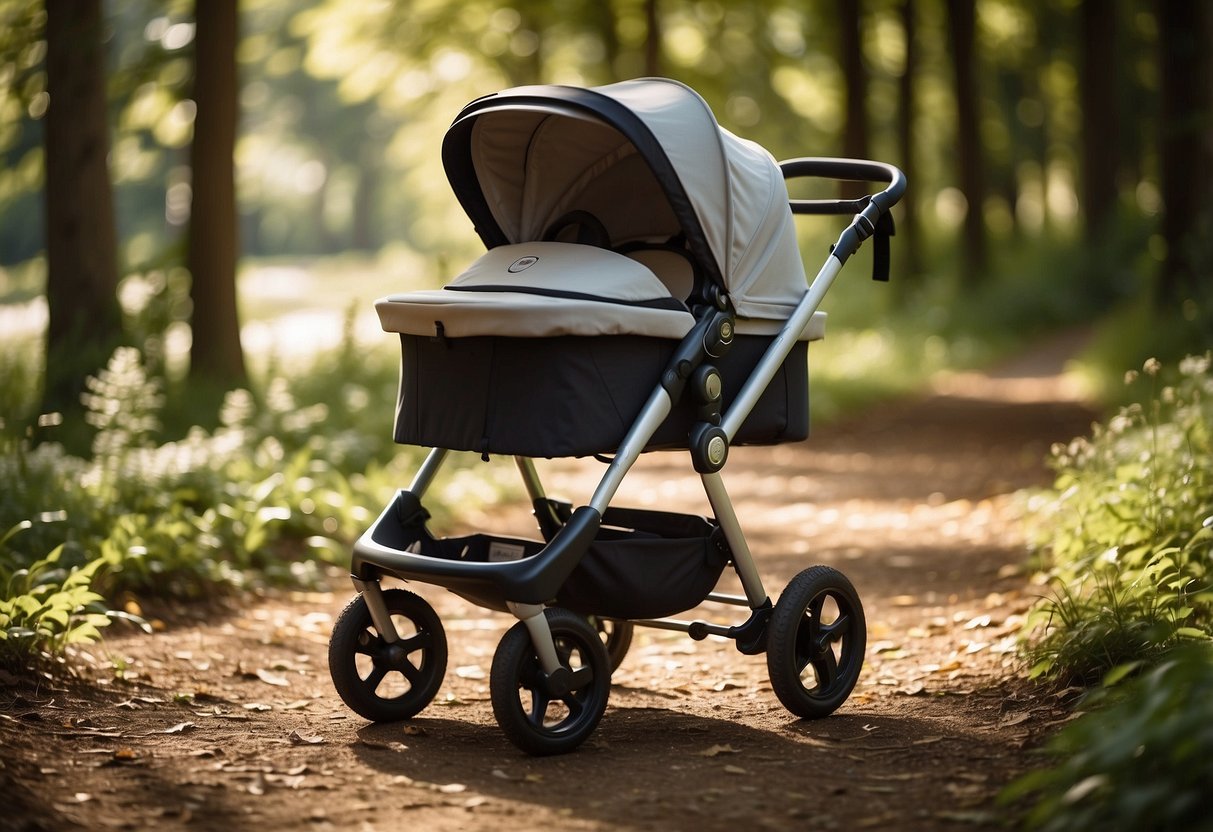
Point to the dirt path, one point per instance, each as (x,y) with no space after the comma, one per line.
(232,723)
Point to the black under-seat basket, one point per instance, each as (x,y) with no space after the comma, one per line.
(642,564)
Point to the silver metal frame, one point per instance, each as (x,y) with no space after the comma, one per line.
(651,416)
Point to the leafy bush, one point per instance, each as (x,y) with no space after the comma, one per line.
(1128,533)
(261,497)
(1144,761)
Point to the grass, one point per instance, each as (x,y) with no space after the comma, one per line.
(1126,535)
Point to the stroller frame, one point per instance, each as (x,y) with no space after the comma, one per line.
(527,585)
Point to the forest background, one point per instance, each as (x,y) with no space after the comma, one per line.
(1058,153)
(198,202)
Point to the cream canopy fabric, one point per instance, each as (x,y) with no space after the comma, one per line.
(647,158)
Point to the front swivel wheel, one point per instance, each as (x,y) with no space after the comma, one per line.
(544,713)
(383,680)
(815,642)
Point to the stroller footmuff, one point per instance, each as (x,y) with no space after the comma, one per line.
(642,290)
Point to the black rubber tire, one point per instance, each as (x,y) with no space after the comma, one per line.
(616,636)
(361,662)
(815,642)
(547,724)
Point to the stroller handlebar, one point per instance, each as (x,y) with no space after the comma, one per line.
(871,213)
(848,170)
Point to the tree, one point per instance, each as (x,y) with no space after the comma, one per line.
(962,26)
(216,357)
(85,319)
(908,230)
(855,87)
(1100,120)
(1186,157)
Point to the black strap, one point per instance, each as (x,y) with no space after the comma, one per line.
(880,247)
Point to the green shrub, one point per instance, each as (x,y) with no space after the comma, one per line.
(261,498)
(45,606)
(1142,761)
(1127,533)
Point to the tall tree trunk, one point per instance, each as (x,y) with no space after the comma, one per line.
(962,25)
(1100,120)
(216,357)
(911,245)
(652,42)
(855,87)
(1185,122)
(81,247)
(855,79)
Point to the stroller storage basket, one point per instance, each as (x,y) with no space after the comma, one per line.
(573,395)
(641,564)
(646,564)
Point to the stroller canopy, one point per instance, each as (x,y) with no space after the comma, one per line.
(647,159)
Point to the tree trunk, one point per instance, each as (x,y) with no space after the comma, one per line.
(962,25)
(910,243)
(1100,121)
(81,247)
(1186,165)
(652,42)
(855,80)
(216,357)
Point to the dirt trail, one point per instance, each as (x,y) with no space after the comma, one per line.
(231,723)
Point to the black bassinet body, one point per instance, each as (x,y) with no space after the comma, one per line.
(547,347)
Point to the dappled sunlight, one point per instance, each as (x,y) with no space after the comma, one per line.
(1068,387)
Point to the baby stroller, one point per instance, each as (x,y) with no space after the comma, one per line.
(642,290)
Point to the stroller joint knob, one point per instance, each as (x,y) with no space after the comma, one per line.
(709,448)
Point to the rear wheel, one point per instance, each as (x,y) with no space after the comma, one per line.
(815,642)
(385,681)
(616,636)
(550,714)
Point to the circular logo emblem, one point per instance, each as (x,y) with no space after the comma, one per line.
(522,264)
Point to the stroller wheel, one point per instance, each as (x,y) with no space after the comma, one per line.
(544,714)
(385,682)
(616,637)
(815,642)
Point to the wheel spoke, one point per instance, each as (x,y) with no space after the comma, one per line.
(539,707)
(833,632)
(575,705)
(826,668)
(367,643)
(410,671)
(420,640)
(375,677)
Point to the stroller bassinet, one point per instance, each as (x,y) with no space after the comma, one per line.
(642,290)
(667,207)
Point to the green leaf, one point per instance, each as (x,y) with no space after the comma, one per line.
(1119,672)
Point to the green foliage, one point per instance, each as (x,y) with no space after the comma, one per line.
(1128,532)
(267,496)
(44,606)
(1142,761)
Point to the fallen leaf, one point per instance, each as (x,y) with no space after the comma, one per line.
(125,755)
(716,750)
(1007,722)
(179,728)
(258,706)
(452,788)
(271,678)
(734,769)
(413,731)
(386,746)
(298,738)
(297,705)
